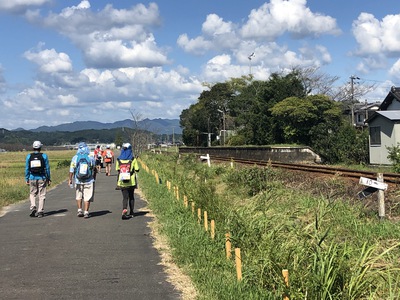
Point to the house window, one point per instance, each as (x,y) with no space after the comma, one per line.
(375,135)
(360,118)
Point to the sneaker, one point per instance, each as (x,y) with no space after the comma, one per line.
(80,213)
(86,215)
(40,214)
(33,212)
(124,214)
(132,214)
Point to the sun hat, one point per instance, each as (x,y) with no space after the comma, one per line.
(126,145)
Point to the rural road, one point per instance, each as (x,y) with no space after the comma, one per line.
(61,256)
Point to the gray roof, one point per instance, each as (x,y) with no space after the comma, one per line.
(393,115)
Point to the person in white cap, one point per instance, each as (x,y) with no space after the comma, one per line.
(37,176)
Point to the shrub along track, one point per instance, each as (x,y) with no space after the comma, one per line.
(334,183)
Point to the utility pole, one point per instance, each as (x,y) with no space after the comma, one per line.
(352,78)
(223,122)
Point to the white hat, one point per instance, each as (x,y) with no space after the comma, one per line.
(37,145)
(126,145)
(108,146)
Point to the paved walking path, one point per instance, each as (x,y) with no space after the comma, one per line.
(61,256)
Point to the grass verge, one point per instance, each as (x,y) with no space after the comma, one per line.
(331,249)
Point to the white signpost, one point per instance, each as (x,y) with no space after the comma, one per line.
(373,183)
(373,186)
(207,158)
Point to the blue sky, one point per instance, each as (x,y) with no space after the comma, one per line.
(66,61)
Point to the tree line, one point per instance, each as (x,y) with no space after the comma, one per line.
(299,108)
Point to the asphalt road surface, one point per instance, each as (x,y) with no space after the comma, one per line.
(61,256)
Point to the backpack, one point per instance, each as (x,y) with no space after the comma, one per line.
(37,164)
(124,171)
(108,154)
(84,168)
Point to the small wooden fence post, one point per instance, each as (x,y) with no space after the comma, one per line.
(199,215)
(285,274)
(205,221)
(228,245)
(238,261)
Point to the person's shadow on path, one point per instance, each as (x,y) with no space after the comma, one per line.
(55,212)
(99,213)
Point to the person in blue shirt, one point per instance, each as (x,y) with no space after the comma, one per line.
(37,176)
(83,171)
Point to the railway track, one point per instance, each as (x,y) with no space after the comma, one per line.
(392,178)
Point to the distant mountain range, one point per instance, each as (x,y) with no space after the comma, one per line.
(157,126)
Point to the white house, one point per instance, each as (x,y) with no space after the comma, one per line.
(384,128)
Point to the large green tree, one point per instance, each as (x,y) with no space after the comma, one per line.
(295,117)
(251,107)
(205,117)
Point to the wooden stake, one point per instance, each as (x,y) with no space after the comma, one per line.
(185,201)
(238,261)
(205,221)
(212,229)
(199,215)
(228,245)
(285,274)
(193,208)
(177,193)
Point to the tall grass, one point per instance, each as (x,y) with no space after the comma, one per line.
(12,174)
(331,248)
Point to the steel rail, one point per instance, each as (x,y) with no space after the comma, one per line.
(388,177)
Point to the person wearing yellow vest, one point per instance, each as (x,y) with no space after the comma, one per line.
(127,167)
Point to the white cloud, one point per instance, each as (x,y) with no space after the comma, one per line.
(18,6)
(198,45)
(279,16)
(378,42)
(109,38)
(395,70)
(49,61)
(214,25)
(67,100)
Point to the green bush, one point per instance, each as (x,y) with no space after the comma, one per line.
(394,157)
